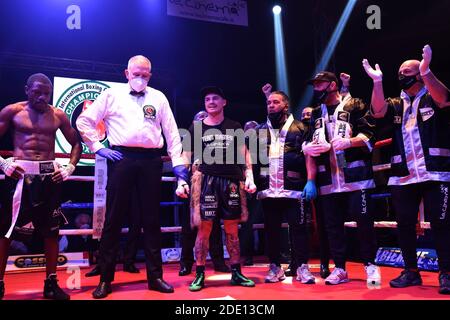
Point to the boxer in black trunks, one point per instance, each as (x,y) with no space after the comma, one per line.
(33,178)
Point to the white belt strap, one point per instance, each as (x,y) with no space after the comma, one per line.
(17,198)
(38,167)
(101,179)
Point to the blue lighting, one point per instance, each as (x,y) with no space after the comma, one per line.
(326,55)
(280,56)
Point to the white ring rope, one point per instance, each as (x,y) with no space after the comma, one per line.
(91,179)
(350,224)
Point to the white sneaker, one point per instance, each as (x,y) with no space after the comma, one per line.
(373,274)
(304,275)
(275,274)
(338,275)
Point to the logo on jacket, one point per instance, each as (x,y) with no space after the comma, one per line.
(343,116)
(426,113)
(397,119)
(444,191)
(149,112)
(318,124)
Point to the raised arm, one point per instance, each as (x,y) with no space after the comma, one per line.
(439,92)
(379,105)
(267,90)
(345,89)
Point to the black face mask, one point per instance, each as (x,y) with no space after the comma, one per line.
(407,82)
(276,118)
(319,96)
(306,121)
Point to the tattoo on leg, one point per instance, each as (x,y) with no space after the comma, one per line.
(233,247)
(196,182)
(201,250)
(243,198)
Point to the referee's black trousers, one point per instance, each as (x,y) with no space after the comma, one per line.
(139,171)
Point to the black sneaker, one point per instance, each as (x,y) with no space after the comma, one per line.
(406,279)
(52,290)
(238,279)
(444,283)
(2,290)
(198,283)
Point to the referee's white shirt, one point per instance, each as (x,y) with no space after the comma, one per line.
(123,115)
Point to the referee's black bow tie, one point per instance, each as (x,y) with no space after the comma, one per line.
(138,94)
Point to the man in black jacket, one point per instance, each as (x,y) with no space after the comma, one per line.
(340,144)
(281,178)
(419,121)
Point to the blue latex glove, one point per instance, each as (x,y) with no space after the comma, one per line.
(310,191)
(109,154)
(181,172)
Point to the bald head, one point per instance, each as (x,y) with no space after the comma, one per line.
(139,60)
(409,67)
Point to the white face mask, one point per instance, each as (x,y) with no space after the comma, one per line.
(138,84)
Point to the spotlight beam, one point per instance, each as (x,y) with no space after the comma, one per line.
(331,46)
(280,55)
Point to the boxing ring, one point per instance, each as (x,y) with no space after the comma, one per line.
(18,286)
(87,232)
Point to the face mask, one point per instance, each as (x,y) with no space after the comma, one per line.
(407,82)
(138,84)
(276,118)
(319,96)
(306,121)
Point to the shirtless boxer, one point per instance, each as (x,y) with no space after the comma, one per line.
(33,179)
